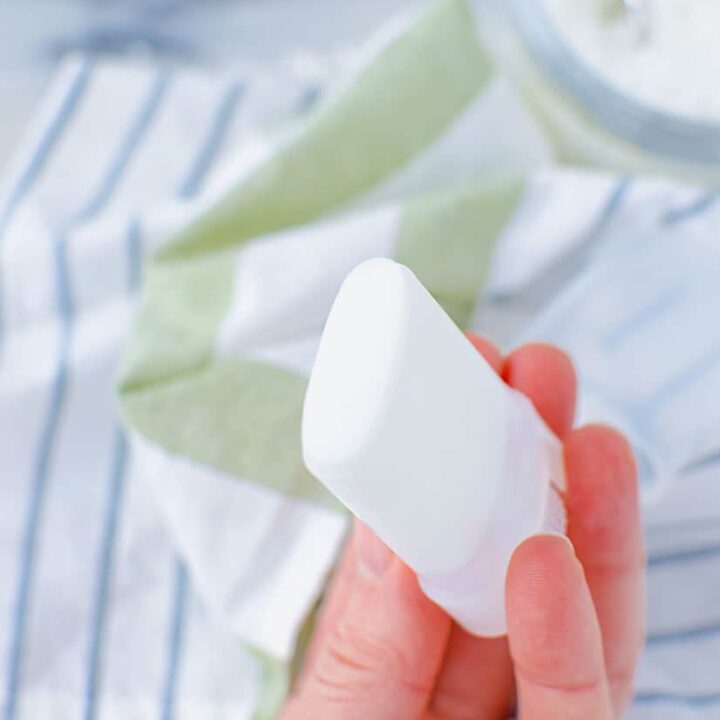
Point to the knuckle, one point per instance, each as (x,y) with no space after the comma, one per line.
(356,659)
(621,684)
(564,685)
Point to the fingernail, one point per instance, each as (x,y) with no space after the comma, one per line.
(562,536)
(373,554)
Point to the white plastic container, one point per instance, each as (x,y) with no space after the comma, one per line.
(407,424)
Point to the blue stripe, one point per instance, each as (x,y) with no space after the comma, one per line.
(177,634)
(683,524)
(627,328)
(191,186)
(678,699)
(613,204)
(112,514)
(309,98)
(42,459)
(682,380)
(134,255)
(129,144)
(206,157)
(572,263)
(694,633)
(688,212)
(105,571)
(117,484)
(52,420)
(44,148)
(188,186)
(702,463)
(712,551)
(37,161)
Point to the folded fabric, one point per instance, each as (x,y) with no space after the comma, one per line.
(96,614)
(173,570)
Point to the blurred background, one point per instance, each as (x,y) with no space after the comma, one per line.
(219,33)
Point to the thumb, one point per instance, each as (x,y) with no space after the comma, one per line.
(381,659)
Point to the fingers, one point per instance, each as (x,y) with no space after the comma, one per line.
(543,372)
(602,503)
(373,657)
(604,525)
(546,375)
(554,635)
(382,657)
(333,606)
(476,681)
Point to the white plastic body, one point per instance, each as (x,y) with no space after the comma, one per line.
(407,424)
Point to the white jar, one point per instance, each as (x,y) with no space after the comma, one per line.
(591,117)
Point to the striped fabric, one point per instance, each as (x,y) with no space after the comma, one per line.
(183,235)
(98,617)
(636,323)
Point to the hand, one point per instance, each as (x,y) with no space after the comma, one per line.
(383,651)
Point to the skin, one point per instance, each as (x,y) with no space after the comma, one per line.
(383,651)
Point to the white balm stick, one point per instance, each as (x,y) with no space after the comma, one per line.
(407,424)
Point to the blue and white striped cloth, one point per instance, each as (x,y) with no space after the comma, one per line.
(98,617)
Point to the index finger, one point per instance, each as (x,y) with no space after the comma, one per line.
(604,524)
(546,375)
(554,634)
(477,678)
